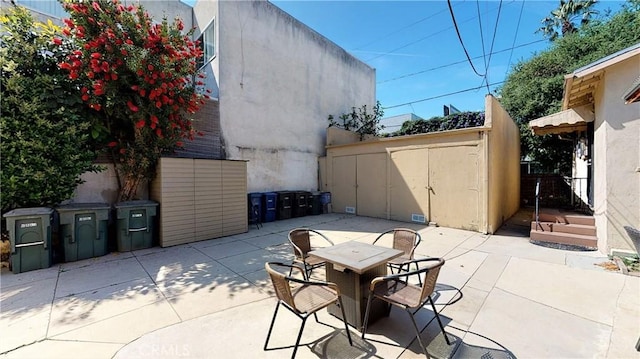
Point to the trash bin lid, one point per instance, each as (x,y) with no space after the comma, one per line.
(33,211)
(82,206)
(137,203)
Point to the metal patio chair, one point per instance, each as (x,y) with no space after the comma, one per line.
(300,239)
(395,290)
(406,240)
(302,298)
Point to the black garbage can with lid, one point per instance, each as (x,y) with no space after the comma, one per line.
(84,230)
(136,224)
(30,236)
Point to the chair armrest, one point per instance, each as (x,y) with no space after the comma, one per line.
(321,235)
(397,276)
(313,282)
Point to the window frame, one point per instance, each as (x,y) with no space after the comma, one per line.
(207,59)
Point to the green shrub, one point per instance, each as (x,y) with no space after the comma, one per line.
(45,136)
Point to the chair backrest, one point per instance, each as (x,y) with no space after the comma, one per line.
(406,240)
(301,238)
(431,277)
(280,285)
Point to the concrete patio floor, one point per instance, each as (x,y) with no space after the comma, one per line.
(498,296)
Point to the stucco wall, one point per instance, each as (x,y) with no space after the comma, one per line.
(503,165)
(616,157)
(279,80)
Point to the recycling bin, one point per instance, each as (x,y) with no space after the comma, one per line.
(255,207)
(325,201)
(269,206)
(299,204)
(84,230)
(30,236)
(283,204)
(135,224)
(314,204)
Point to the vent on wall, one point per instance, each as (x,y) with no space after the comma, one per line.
(351,210)
(418,218)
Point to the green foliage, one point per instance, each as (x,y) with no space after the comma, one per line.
(140,79)
(534,88)
(435,124)
(360,120)
(44,137)
(563,20)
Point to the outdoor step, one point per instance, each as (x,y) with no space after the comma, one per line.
(565,228)
(580,219)
(587,242)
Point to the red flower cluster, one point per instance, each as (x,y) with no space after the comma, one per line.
(139,70)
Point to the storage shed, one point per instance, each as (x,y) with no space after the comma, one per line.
(466,178)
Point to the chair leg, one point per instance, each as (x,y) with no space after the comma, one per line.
(415,326)
(417,268)
(366,315)
(435,312)
(295,349)
(344,319)
(273,320)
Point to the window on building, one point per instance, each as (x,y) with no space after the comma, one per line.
(207,44)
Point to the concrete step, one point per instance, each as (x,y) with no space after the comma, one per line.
(580,219)
(586,242)
(581,229)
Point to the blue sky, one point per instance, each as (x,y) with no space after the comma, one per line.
(416,52)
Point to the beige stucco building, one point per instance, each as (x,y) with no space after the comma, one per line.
(599,107)
(467,178)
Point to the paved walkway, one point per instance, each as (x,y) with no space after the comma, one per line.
(497,295)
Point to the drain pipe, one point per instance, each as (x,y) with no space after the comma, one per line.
(537,205)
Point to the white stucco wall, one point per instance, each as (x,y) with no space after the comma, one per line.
(279,81)
(616,157)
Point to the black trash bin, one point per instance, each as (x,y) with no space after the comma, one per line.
(30,236)
(314,204)
(300,204)
(283,205)
(269,206)
(136,224)
(84,230)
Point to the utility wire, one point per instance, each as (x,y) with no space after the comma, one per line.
(453,18)
(516,35)
(456,63)
(439,96)
(484,55)
(495,31)
(397,31)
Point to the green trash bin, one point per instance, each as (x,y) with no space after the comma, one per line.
(84,230)
(30,235)
(135,224)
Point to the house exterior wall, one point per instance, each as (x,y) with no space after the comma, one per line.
(467,178)
(278,82)
(616,157)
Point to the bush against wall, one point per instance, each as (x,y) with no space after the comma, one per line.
(44,135)
(360,120)
(436,124)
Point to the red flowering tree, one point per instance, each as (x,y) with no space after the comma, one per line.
(139,77)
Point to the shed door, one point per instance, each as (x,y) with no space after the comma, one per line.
(409,194)
(371,187)
(453,178)
(344,184)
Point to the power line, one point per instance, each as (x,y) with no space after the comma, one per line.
(439,96)
(495,31)
(457,62)
(397,31)
(516,34)
(453,18)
